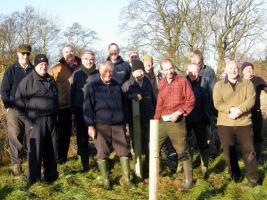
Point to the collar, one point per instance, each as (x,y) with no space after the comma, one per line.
(88,71)
(226,80)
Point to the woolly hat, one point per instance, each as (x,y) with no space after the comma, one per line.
(147,58)
(246,64)
(137,64)
(24,48)
(40,58)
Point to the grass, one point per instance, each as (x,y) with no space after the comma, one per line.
(73,184)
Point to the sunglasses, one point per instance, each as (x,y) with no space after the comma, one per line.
(113,54)
(27,53)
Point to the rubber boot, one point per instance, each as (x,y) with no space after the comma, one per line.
(103,167)
(204,163)
(188,173)
(125,166)
(85,162)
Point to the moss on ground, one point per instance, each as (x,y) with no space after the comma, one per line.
(73,184)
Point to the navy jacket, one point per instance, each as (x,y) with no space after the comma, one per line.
(103,103)
(122,71)
(79,81)
(11,79)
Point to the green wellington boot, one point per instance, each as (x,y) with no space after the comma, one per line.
(188,173)
(125,166)
(103,167)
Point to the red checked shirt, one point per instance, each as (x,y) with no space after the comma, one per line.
(174,96)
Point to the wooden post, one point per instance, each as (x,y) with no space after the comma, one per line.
(137,138)
(153,159)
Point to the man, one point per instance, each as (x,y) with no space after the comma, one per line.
(259,85)
(198,120)
(208,75)
(134,55)
(175,101)
(37,100)
(206,72)
(138,87)
(83,75)
(234,99)
(122,70)
(150,74)
(62,73)
(103,114)
(15,125)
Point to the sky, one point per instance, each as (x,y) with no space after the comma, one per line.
(102,16)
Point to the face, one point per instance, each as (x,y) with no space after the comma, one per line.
(148,66)
(193,72)
(113,52)
(41,68)
(24,58)
(195,59)
(248,72)
(88,60)
(106,73)
(134,56)
(232,70)
(167,70)
(138,74)
(69,55)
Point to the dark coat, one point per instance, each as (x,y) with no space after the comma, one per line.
(148,103)
(122,71)
(80,78)
(203,104)
(11,79)
(103,103)
(37,96)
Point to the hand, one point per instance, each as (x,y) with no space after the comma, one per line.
(137,97)
(235,112)
(92,132)
(174,116)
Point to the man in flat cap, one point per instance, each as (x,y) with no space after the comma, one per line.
(15,125)
(37,101)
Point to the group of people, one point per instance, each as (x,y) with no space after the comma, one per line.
(40,103)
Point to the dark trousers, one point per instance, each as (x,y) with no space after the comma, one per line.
(200,130)
(257,125)
(82,133)
(107,135)
(41,143)
(243,136)
(64,133)
(15,130)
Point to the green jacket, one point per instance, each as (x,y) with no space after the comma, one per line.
(224,97)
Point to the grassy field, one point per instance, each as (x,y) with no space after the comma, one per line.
(73,184)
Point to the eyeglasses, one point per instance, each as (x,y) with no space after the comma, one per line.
(27,53)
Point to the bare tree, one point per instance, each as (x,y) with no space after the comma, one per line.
(233,23)
(80,37)
(157,24)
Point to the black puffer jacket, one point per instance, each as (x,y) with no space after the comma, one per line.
(37,96)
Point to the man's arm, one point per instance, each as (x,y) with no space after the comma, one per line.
(6,87)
